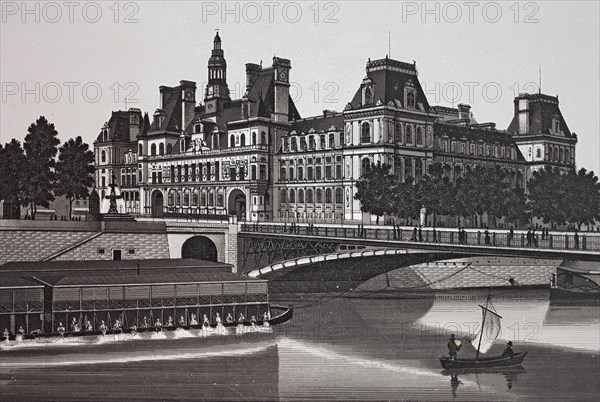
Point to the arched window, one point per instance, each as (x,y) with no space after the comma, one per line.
(186,198)
(103,156)
(169,148)
(140,149)
(328,196)
(301,196)
(309,196)
(366,165)
(215,141)
(365,133)
(538,153)
(211,199)
(232,141)
(331,140)
(319,196)
(282,175)
(284,196)
(263,138)
(293,144)
(178,197)
(161,149)
(253,138)
(419,136)
(398,133)
(409,138)
(368,96)
(291,173)
(243,140)
(339,195)
(195,198)
(410,100)
(105,135)
(292,196)
(153,149)
(300,173)
(203,198)
(171,198)
(567,159)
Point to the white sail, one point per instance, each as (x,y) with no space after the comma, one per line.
(490,329)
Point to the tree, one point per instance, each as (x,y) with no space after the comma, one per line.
(581,203)
(40,146)
(516,206)
(375,190)
(74,170)
(405,201)
(435,192)
(12,161)
(547,193)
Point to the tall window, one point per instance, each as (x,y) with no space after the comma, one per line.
(410,100)
(300,173)
(153,149)
(291,173)
(253,172)
(409,138)
(292,196)
(328,196)
(169,148)
(263,138)
(319,175)
(283,196)
(331,140)
(140,150)
(419,136)
(301,196)
(366,165)
(253,138)
(339,195)
(398,133)
(282,175)
(309,196)
(103,156)
(319,196)
(263,172)
(243,140)
(309,173)
(365,133)
(232,141)
(161,149)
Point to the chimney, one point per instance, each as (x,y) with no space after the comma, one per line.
(464,112)
(281,69)
(327,113)
(252,71)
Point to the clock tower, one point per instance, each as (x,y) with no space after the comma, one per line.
(217,90)
(281,69)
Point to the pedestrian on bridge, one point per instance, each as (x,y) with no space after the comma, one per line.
(414,236)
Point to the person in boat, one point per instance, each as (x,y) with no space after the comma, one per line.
(241,318)
(194,319)
(453,347)
(253,320)
(133,330)
(21,330)
(229,318)
(5,334)
(508,352)
(88,326)
(103,328)
(61,330)
(145,323)
(218,319)
(158,325)
(170,321)
(181,321)
(75,325)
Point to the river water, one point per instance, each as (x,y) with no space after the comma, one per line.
(336,348)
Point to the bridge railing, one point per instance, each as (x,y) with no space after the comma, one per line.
(486,238)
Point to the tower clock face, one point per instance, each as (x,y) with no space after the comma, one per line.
(189,96)
(283,75)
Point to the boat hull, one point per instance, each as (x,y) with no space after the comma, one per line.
(285,315)
(486,363)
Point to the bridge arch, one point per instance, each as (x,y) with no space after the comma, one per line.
(199,247)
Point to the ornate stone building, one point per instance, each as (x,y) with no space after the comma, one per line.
(256,158)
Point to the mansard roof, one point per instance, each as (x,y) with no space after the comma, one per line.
(542,109)
(319,123)
(389,78)
(472,134)
(118,126)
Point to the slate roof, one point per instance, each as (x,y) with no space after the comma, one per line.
(18,282)
(319,123)
(389,82)
(542,109)
(472,134)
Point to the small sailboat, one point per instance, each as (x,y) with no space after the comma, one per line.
(490,328)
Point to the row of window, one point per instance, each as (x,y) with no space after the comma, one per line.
(193,173)
(556,154)
(312,173)
(462,147)
(311,196)
(309,142)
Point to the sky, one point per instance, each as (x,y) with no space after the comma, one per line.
(75,62)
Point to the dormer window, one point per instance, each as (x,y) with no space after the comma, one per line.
(410,100)
(410,96)
(367,93)
(197,128)
(556,125)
